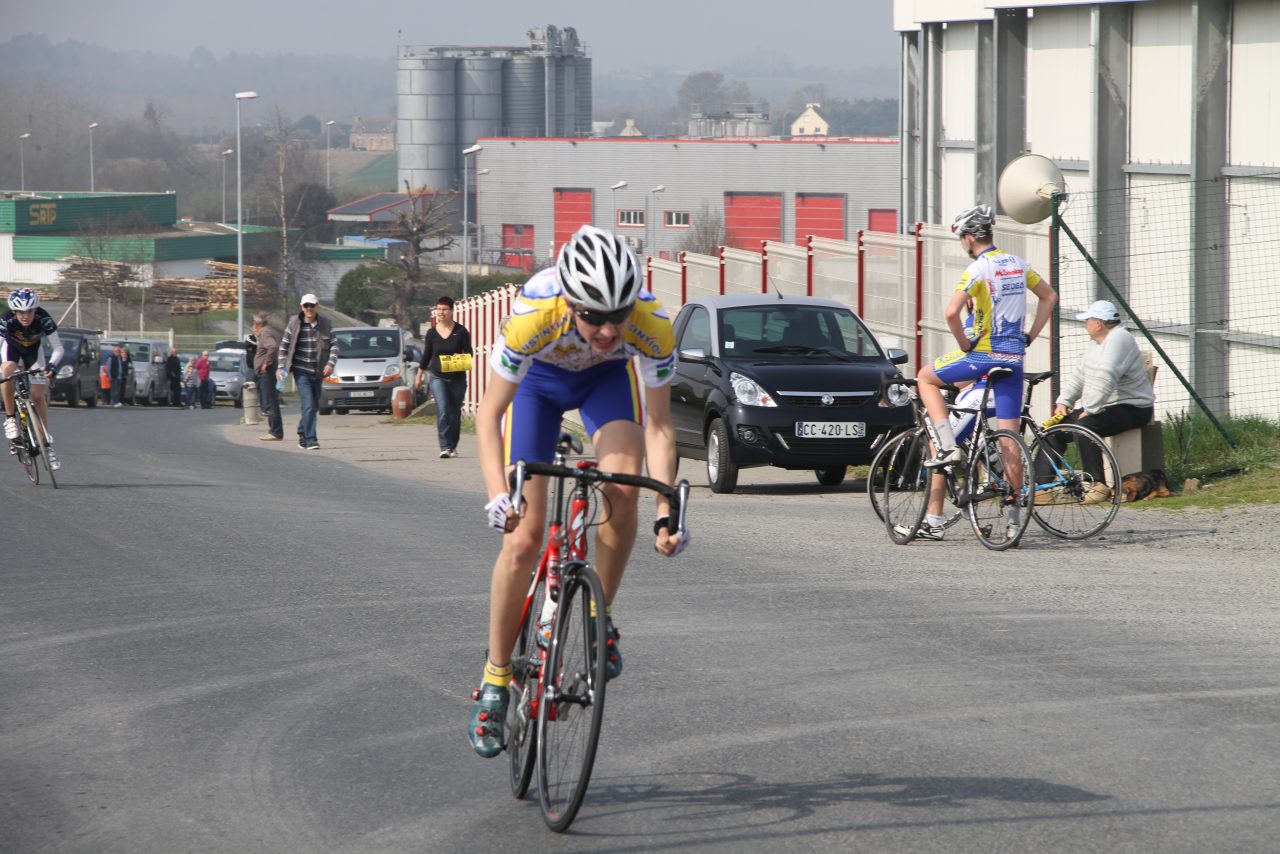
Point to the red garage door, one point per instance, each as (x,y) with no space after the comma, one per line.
(882,219)
(573,209)
(819,214)
(518,240)
(750,218)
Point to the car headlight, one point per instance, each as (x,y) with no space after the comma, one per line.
(748,391)
(391,371)
(64,372)
(896,395)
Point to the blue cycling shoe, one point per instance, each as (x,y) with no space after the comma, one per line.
(488,720)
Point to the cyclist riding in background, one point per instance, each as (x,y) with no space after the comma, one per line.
(583,335)
(997,283)
(22,329)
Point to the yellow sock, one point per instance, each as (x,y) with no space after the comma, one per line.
(495,674)
(608,609)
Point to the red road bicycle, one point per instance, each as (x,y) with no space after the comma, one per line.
(557,688)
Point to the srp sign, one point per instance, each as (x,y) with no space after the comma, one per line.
(42,213)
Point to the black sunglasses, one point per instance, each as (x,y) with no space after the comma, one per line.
(308,305)
(597,318)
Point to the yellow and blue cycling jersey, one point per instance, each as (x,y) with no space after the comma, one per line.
(541,329)
(998,283)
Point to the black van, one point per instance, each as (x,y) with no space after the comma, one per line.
(77,377)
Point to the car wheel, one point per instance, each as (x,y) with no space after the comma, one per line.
(325,410)
(833,476)
(239,401)
(146,398)
(73,397)
(92,400)
(722,474)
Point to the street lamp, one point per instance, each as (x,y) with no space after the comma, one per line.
(224,182)
(616,187)
(92,125)
(648,243)
(466,231)
(22,164)
(327,126)
(240,96)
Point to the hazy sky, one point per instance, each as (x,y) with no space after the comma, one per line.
(682,34)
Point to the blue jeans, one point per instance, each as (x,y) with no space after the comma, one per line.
(269,403)
(448,392)
(309,401)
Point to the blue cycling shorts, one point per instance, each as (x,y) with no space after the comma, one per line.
(958,366)
(609,391)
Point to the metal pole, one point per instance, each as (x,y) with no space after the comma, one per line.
(466,234)
(91,182)
(239,237)
(327,125)
(77,304)
(22,162)
(224,186)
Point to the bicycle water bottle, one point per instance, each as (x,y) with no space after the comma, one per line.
(1053,419)
(548,616)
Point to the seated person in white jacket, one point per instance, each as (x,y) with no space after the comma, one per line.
(1110,382)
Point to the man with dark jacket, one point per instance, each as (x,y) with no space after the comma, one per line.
(118,370)
(264,371)
(173,373)
(310,351)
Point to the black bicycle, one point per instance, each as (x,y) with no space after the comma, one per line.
(556,706)
(1070,501)
(32,445)
(989,483)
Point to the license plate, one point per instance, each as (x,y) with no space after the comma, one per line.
(831,429)
(369,393)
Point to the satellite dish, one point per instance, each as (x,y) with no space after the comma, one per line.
(1026,188)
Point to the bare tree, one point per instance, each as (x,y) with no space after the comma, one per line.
(426,225)
(295,172)
(706,233)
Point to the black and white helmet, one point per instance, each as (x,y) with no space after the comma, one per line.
(598,271)
(977,221)
(24,299)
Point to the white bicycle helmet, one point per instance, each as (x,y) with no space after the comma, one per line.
(23,299)
(598,271)
(977,221)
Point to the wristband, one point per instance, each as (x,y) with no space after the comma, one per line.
(660,524)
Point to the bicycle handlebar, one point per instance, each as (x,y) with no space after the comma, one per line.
(678,495)
(27,372)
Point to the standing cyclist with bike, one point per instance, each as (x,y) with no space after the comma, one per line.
(997,283)
(583,335)
(22,329)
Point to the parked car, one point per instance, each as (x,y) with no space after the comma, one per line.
(228,373)
(371,364)
(793,383)
(150,385)
(77,377)
(130,385)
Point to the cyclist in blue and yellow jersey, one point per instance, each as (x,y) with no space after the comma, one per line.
(997,284)
(583,335)
(22,329)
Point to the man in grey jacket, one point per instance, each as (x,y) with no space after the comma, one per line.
(264,370)
(310,351)
(1110,382)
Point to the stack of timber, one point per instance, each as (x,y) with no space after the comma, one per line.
(216,291)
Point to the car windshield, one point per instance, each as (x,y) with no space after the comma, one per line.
(369,344)
(138,352)
(229,364)
(801,331)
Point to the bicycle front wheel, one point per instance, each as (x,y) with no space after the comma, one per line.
(996,488)
(41,437)
(23,446)
(526,666)
(904,495)
(572,706)
(1069,501)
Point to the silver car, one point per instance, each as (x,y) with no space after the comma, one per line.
(228,374)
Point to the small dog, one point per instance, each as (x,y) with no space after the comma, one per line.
(1143,485)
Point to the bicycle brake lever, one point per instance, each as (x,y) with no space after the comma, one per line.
(682,498)
(519,476)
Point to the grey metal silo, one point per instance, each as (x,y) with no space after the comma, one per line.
(583,93)
(429,154)
(554,89)
(524,99)
(479,98)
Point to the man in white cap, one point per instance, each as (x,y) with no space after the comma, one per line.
(1110,382)
(310,351)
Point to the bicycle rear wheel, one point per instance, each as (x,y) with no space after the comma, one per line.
(526,666)
(572,706)
(998,509)
(41,437)
(1069,501)
(905,491)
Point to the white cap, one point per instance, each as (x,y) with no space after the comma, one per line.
(306,298)
(1103,310)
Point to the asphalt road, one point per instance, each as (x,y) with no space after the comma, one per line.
(218,646)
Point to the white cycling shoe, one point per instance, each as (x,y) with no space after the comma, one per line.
(54,462)
(11,427)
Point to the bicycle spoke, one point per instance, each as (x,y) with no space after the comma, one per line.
(1070,502)
(998,472)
